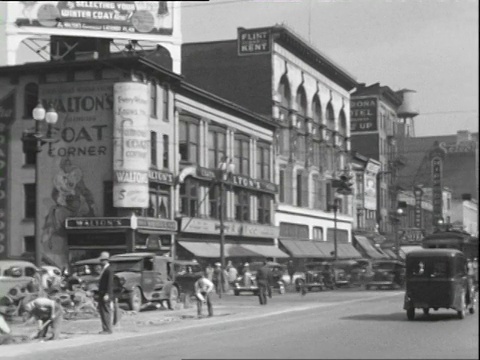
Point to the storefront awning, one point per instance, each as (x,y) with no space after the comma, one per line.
(303,249)
(368,248)
(319,249)
(212,250)
(266,250)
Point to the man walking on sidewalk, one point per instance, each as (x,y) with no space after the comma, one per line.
(203,291)
(105,294)
(263,282)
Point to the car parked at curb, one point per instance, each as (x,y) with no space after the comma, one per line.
(15,276)
(85,274)
(248,283)
(388,274)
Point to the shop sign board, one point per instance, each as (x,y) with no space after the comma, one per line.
(207,226)
(160,176)
(7,110)
(254,41)
(98,223)
(363,115)
(156,224)
(84,18)
(131,145)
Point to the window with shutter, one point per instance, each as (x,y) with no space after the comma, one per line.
(305,190)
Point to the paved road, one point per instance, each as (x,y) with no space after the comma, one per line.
(357,325)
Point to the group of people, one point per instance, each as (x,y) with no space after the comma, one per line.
(222,279)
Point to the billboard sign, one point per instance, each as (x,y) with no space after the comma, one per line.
(7,108)
(370,185)
(131,145)
(254,41)
(363,115)
(147,17)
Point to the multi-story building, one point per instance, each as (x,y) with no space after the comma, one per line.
(377,133)
(127,128)
(275,73)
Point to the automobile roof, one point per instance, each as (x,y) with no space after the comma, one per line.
(8,263)
(434,252)
(93,261)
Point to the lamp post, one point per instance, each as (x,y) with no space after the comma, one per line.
(343,186)
(34,141)
(398,213)
(335,246)
(224,170)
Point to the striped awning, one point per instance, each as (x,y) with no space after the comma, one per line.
(212,250)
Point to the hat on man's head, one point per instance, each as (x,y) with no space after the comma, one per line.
(218,264)
(104,256)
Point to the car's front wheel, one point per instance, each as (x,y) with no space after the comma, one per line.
(173,297)
(461,312)
(135,301)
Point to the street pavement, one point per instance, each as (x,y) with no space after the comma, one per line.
(331,324)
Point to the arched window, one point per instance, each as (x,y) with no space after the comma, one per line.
(342,126)
(284,92)
(330,117)
(316,110)
(301,101)
(30,99)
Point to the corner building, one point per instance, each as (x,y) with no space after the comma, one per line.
(275,73)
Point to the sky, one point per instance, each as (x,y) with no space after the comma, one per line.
(430,46)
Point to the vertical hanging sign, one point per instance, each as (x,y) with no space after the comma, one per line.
(436,158)
(7,106)
(418,193)
(131,145)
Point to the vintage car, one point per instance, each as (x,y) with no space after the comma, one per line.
(312,277)
(387,273)
(85,274)
(147,277)
(437,278)
(247,282)
(15,276)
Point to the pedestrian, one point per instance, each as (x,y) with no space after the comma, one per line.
(48,313)
(209,272)
(105,294)
(203,290)
(217,277)
(291,270)
(263,282)
(232,275)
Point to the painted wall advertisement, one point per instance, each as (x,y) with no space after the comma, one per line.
(75,167)
(363,115)
(131,145)
(153,17)
(254,41)
(370,186)
(7,108)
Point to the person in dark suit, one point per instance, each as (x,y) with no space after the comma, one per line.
(263,282)
(105,294)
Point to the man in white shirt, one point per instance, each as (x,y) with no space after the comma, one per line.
(203,291)
(48,313)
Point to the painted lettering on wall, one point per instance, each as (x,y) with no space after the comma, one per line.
(253,41)
(363,115)
(131,145)
(7,106)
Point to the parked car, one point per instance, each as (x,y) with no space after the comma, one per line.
(386,274)
(438,278)
(248,282)
(147,277)
(53,276)
(15,276)
(312,277)
(85,274)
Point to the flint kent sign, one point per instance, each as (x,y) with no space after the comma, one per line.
(254,41)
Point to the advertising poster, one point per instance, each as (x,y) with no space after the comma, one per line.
(148,17)
(363,115)
(131,145)
(74,168)
(370,186)
(7,108)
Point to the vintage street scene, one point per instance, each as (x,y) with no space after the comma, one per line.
(239,179)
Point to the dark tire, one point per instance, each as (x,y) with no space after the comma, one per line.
(461,313)
(135,300)
(411,313)
(174,297)
(236,292)
(473,303)
(426,311)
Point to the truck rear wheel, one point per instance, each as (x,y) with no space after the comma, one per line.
(135,301)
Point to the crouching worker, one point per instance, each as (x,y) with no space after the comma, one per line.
(48,313)
(203,293)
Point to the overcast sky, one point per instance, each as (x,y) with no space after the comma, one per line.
(430,46)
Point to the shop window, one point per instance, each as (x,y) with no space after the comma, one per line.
(217,145)
(263,161)
(108,208)
(214,202)
(153,148)
(153,99)
(166,154)
(30,192)
(30,99)
(159,201)
(242,155)
(189,192)
(318,233)
(189,140)
(242,205)
(264,209)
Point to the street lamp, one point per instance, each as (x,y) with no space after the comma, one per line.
(399,212)
(224,171)
(343,186)
(33,142)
